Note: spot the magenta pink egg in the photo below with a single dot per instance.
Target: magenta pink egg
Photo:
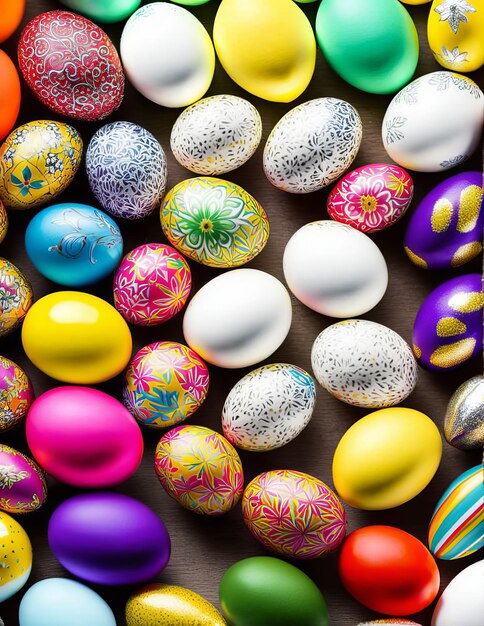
(371, 197)
(22, 482)
(152, 284)
(84, 437)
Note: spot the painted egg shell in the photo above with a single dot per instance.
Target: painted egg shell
(434, 123)
(216, 135)
(74, 605)
(12, 14)
(165, 383)
(71, 65)
(16, 394)
(334, 269)
(364, 364)
(38, 162)
(106, 12)
(454, 31)
(293, 514)
(169, 605)
(312, 145)
(371, 198)
(109, 539)
(76, 338)
(464, 418)
(269, 407)
(11, 95)
(445, 230)
(372, 470)
(448, 328)
(16, 297)
(214, 222)
(126, 170)
(457, 525)
(167, 54)
(268, 48)
(22, 482)
(16, 556)
(199, 469)
(462, 601)
(83, 437)
(152, 284)
(390, 621)
(3, 222)
(73, 244)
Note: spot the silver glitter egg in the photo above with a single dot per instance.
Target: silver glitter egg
(464, 419)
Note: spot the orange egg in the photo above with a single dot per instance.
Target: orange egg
(12, 12)
(9, 91)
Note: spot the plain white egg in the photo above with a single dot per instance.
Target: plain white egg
(462, 603)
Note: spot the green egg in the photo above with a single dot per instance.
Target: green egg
(106, 11)
(264, 591)
(371, 44)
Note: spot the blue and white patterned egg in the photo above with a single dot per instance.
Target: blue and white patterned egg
(126, 170)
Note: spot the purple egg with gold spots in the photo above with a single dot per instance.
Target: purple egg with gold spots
(445, 229)
(448, 327)
(16, 394)
(22, 482)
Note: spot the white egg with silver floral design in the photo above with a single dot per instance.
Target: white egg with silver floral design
(268, 407)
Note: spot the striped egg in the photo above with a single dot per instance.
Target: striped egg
(457, 525)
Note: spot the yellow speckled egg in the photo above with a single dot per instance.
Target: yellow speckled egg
(15, 556)
(455, 31)
(169, 605)
(386, 458)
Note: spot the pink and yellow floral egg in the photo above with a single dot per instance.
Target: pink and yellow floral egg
(372, 197)
(294, 514)
(16, 394)
(22, 482)
(15, 297)
(200, 469)
(152, 284)
(165, 383)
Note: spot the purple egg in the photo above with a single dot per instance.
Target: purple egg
(448, 327)
(445, 229)
(109, 539)
(22, 482)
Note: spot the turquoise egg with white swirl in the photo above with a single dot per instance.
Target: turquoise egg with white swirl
(74, 244)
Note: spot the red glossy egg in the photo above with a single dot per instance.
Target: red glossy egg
(388, 570)
(9, 94)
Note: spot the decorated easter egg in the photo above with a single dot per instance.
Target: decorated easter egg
(199, 469)
(10, 94)
(214, 222)
(126, 170)
(107, 11)
(167, 54)
(152, 284)
(445, 230)
(38, 162)
(55, 601)
(76, 338)
(109, 539)
(373, 467)
(165, 383)
(457, 525)
(263, 590)
(16, 394)
(268, 407)
(15, 297)
(22, 482)
(390, 621)
(216, 135)
(448, 328)
(371, 197)
(12, 12)
(73, 244)
(191, 3)
(71, 65)
(83, 437)
(434, 123)
(268, 48)
(293, 514)
(16, 556)
(464, 418)
(3, 222)
(170, 605)
(312, 145)
(462, 601)
(238, 318)
(335, 269)
(415, 1)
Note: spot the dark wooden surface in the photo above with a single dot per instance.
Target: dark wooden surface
(203, 548)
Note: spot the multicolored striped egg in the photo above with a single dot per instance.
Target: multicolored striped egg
(16, 394)
(22, 482)
(457, 525)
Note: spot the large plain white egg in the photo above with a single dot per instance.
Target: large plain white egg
(462, 603)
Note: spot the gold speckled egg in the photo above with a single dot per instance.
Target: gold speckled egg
(15, 556)
(15, 297)
(3, 222)
(169, 605)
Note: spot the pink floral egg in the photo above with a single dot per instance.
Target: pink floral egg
(152, 284)
(16, 394)
(371, 197)
(71, 65)
(22, 482)
(294, 514)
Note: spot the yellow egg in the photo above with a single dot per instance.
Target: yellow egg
(386, 458)
(15, 556)
(267, 47)
(3, 222)
(76, 338)
(169, 605)
(415, 1)
(455, 31)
